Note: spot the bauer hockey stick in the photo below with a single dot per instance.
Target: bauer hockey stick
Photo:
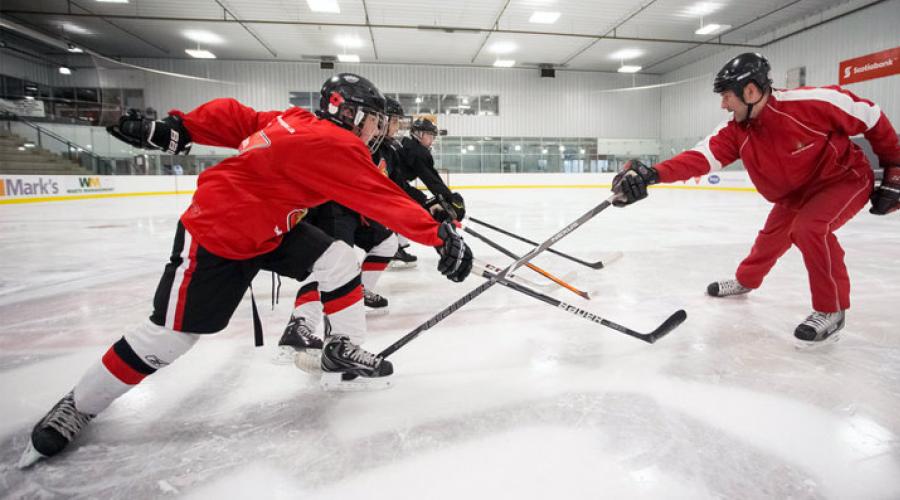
(558, 281)
(465, 299)
(600, 264)
(661, 331)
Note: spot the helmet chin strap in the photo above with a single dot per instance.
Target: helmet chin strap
(750, 105)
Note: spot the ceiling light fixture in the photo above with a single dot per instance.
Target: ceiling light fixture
(74, 49)
(74, 28)
(541, 17)
(504, 63)
(625, 54)
(328, 6)
(348, 58)
(201, 36)
(112, 1)
(64, 70)
(701, 9)
(629, 68)
(200, 53)
(711, 28)
(503, 47)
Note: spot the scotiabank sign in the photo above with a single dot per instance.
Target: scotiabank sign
(877, 65)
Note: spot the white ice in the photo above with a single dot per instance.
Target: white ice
(507, 398)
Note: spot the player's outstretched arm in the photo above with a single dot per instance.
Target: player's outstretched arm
(224, 122)
(168, 135)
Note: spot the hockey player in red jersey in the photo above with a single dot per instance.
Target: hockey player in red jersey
(245, 217)
(797, 150)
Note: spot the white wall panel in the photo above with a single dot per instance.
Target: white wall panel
(572, 104)
(690, 111)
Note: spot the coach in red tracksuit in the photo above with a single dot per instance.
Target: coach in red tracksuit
(796, 147)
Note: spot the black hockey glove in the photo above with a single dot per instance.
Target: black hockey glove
(886, 198)
(459, 205)
(631, 183)
(456, 257)
(168, 134)
(438, 210)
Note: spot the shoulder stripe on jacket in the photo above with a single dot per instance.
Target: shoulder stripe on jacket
(863, 111)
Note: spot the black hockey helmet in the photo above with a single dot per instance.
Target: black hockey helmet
(423, 125)
(346, 99)
(392, 107)
(740, 71)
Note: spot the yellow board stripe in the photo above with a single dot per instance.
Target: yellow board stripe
(11, 201)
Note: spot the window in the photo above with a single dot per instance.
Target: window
(303, 100)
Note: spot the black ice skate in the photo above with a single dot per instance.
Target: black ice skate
(343, 361)
(726, 288)
(55, 431)
(402, 259)
(376, 305)
(297, 338)
(819, 329)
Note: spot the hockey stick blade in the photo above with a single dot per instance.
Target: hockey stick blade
(664, 329)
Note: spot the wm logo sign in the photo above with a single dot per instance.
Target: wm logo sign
(89, 182)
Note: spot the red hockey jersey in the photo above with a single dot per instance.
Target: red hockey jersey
(798, 142)
(288, 162)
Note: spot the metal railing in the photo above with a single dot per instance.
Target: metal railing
(56, 144)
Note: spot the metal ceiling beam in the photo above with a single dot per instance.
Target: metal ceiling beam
(446, 29)
(104, 18)
(247, 28)
(732, 30)
(494, 27)
(371, 33)
(611, 30)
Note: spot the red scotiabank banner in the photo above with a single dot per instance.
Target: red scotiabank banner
(877, 65)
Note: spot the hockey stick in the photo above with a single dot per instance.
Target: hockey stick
(531, 266)
(593, 265)
(465, 299)
(514, 277)
(661, 331)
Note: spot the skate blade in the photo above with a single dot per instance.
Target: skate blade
(334, 382)
(809, 345)
(29, 457)
(370, 313)
(399, 264)
(309, 361)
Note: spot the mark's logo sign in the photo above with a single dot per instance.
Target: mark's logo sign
(12, 186)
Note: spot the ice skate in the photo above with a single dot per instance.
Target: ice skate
(375, 304)
(297, 338)
(55, 431)
(348, 367)
(403, 260)
(726, 288)
(819, 329)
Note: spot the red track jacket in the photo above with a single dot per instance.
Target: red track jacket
(798, 142)
(289, 161)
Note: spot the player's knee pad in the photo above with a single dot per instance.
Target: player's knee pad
(387, 248)
(336, 266)
(159, 346)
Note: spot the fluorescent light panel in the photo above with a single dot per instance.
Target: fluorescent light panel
(629, 68)
(112, 1)
(201, 36)
(348, 58)
(702, 8)
(709, 29)
(200, 53)
(329, 6)
(542, 17)
(502, 47)
(504, 63)
(74, 49)
(64, 70)
(625, 54)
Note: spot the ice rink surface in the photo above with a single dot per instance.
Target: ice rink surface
(507, 398)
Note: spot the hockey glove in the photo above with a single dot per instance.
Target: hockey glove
(459, 205)
(886, 198)
(456, 257)
(168, 134)
(631, 183)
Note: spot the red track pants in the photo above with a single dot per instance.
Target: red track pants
(811, 228)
